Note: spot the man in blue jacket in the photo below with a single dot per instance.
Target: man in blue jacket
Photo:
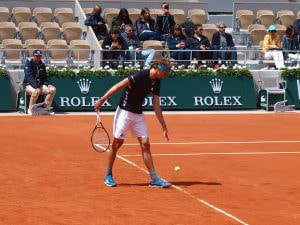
(35, 82)
(223, 41)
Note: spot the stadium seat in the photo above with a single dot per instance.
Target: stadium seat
(179, 15)
(281, 29)
(64, 15)
(265, 17)
(42, 14)
(134, 14)
(198, 16)
(87, 10)
(209, 30)
(12, 52)
(154, 13)
(286, 17)
(8, 30)
(50, 30)
(109, 14)
(71, 31)
(32, 44)
(257, 33)
(156, 45)
(4, 14)
(298, 14)
(58, 52)
(21, 14)
(80, 52)
(28, 30)
(244, 18)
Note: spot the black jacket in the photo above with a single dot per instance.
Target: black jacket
(140, 26)
(108, 41)
(164, 24)
(92, 20)
(195, 43)
(216, 39)
(35, 74)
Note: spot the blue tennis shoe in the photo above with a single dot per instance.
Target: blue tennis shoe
(109, 181)
(158, 182)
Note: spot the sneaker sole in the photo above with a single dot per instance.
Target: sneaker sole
(110, 185)
(155, 186)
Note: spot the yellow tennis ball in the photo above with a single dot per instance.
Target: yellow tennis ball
(177, 168)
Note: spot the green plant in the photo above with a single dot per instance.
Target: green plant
(236, 71)
(64, 72)
(291, 72)
(124, 72)
(3, 70)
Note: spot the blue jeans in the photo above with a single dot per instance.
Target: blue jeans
(144, 54)
(183, 56)
(149, 36)
(224, 54)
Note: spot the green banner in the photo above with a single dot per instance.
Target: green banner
(5, 94)
(177, 93)
(293, 91)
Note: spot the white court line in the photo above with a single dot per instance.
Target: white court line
(214, 153)
(217, 142)
(188, 193)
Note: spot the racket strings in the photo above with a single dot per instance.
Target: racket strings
(100, 139)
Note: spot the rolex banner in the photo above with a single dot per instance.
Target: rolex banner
(293, 91)
(177, 93)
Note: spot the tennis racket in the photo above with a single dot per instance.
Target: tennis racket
(100, 139)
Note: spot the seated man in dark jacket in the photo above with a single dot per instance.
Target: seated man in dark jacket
(115, 46)
(164, 22)
(35, 82)
(201, 44)
(223, 41)
(98, 24)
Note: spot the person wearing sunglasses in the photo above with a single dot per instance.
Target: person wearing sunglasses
(223, 42)
(272, 47)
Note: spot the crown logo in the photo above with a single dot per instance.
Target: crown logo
(84, 85)
(216, 85)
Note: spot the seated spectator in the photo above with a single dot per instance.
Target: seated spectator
(179, 46)
(119, 22)
(297, 26)
(36, 83)
(135, 52)
(145, 26)
(200, 43)
(116, 46)
(272, 47)
(290, 44)
(164, 22)
(223, 41)
(96, 21)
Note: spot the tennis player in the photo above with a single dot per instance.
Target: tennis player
(129, 116)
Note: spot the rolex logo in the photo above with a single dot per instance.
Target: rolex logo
(216, 85)
(84, 85)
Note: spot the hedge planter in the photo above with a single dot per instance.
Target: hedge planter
(79, 93)
(293, 91)
(5, 94)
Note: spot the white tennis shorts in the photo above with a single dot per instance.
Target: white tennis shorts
(125, 121)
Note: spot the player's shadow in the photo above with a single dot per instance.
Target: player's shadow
(177, 183)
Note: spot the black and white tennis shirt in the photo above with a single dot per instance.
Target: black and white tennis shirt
(140, 86)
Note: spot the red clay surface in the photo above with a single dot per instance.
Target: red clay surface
(51, 175)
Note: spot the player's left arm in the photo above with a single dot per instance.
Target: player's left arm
(159, 115)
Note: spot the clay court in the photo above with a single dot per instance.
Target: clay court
(235, 169)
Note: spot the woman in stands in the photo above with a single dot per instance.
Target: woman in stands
(120, 21)
(290, 44)
(179, 45)
(272, 47)
(145, 26)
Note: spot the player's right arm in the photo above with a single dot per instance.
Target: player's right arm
(122, 84)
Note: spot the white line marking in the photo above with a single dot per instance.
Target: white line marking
(217, 142)
(188, 193)
(215, 153)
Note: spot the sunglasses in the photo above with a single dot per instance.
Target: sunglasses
(223, 27)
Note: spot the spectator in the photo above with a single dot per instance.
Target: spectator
(116, 47)
(145, 26)
(98, 24)
(36, 83)
(223, 41)
(120, 21)
(290, 44)
(135, 51)
(272, 47)
(164, 22)
(297, 26)
(179, 46)
(200, 43)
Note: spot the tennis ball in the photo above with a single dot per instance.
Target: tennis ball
(177, 168)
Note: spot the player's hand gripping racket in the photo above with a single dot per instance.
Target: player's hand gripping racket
(100, 138)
